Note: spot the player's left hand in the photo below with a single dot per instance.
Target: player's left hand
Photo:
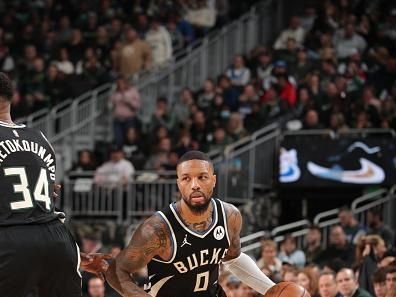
(95, 263)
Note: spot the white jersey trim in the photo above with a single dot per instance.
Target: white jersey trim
(173, 238)
(225, 222)
(214, 223)
(45, 138)
(78, 261)
(12, 125)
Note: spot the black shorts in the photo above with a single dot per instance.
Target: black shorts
(40, 258)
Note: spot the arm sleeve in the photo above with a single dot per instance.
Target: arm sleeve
(247, 271)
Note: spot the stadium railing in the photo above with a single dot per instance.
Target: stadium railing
(325, 220)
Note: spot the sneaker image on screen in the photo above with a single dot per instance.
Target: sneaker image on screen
(367, 173)
(289, 170)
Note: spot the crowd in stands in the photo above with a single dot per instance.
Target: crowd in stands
(54, 50)
(332, 68)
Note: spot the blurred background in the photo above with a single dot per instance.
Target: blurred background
(295, 102)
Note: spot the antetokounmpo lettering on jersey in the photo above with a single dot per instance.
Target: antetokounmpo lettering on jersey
(8, 147)
(204, 257)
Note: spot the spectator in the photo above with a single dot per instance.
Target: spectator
(339, 249)
(142, 25)
(379, 282)
(352, 228)
(255, 120)
(370, 250)
(134, 55)
(233, 284)
(64, 64)
(65, 31)
(55, 85)
(76, 47)
(133, 148)
(202, 17)
(304, 102)
(125, 104)
(290, 274)
(390, 280)
(96, 287)
(181, 108)
(34, 85)
(308, 19)
(160, 157)
(347, 284)
(85, 162)
(337, 123)
(116, 171)
(175, 35)
(311, 120)
(246, 99)
(160, 42)
(220, 140)
(102, 45)
(268, 261)
(162, 116)
(308, 279)
(235, 129)
(200, 129)
(7, 63)
(229, 92)
(302, 66)
(346, 41)
(327, 285)
(294, 31)
(238, 73)
(313, 244)
(263, 68)
(287, 91)
(289, 252)
(377, 226)
(206, 96)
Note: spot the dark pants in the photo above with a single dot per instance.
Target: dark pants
(120, 127)
(41, 258)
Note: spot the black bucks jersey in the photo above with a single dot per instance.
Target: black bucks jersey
(27, 176)
(194, 266)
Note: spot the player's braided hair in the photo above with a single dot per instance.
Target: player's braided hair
(6, 89)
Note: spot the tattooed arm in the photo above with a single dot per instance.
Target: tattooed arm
(234, 222)
(150, 239)
(240, 264)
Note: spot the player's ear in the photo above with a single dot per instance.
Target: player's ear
(214, 180)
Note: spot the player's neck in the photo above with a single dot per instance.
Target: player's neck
(188, 215)
(5, 115)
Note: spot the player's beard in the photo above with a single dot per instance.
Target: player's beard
(198, 209)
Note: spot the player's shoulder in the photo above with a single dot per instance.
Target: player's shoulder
(230, 209)
(151, 234)
(153, 224)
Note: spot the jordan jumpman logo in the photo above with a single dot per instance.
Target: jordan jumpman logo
(185, 241)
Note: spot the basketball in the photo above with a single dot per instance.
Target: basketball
(287, 289)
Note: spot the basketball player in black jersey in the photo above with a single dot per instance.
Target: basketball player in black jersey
(184, 244)
(37, 252)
